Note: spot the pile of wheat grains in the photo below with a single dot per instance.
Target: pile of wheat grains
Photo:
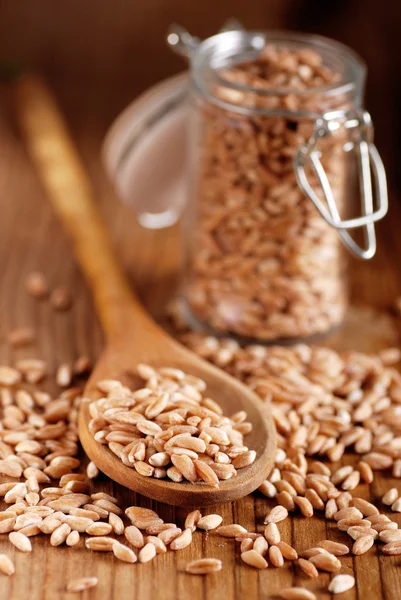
(324, 404)
(170, 428)
(265, 264)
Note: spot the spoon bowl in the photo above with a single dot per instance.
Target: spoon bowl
(132, 337)
(228, 392)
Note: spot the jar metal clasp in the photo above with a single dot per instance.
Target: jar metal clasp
(369, 165)
(185, 44)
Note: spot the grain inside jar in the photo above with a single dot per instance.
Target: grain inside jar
(264, 263)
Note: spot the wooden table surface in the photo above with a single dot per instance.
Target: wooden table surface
(30, 238)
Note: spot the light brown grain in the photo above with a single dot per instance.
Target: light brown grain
(204, 566)
(20, 541)
(308, 568)
(362, 544)
(254, 559)
(296, 593)
(326, 562)
(81, 584)
(6, 565)
(341, 583)
(335, 548)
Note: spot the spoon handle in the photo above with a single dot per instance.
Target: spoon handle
(69, 189)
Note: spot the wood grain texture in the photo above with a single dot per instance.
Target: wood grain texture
(31, 238)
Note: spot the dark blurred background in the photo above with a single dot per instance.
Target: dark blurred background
(117, 47)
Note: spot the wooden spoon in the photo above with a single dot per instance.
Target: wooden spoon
(132, 337)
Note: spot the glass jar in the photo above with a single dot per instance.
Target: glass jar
(279, 144)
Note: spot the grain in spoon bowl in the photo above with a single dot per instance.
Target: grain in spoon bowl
(170, 428)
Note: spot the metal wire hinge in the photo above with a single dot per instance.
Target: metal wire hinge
(370, 166)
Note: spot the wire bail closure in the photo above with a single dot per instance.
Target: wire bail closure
(369, 163)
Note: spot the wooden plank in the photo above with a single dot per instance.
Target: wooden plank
(30, 238)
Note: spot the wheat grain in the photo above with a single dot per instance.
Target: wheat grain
(134, 536)
(21, 336)
(341, 583)
(169, 535)
(9, 376)
(49, 524)
(367, 508)
(231, 531)
(356, 532)
(77, 523)
(287, 551)
(72, 538)
(36, 285)
(209, 522)
(100, 544)
(313, 552)
(116, 523)
(396, 506)
(362, 544)
(159, 527)
(192, 520)
(20, 541)
(331, 509)
(81, 584)
(326, 562)
(276, 515)
(254, 559)
(272, 534)
(124, 553)
(335, 548)
(275, 555)
(392, 548)
(99, 529)
(142, 517)
(286, 500)
(348, 513)
(308, 568)
(304, 505)
(147, 553)
(260, 545)
(60, 534)
(30, 530)
(60, 299)
(6, 565)
(390, 496)
(366, 471)
(379, 527)
(390, 535)
(345, 524)
(181, 541)
(246, 544)
(296, 593)
(204, 566)
(7, 524)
